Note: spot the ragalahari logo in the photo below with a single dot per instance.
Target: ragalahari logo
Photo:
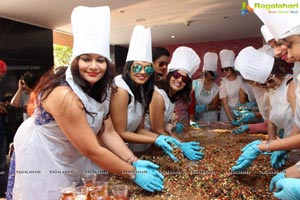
(246, 9)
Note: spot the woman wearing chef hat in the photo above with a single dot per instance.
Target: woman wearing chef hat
(206, 91)
(229, 87)
(71, 133)
(132, 98)
(178, 86)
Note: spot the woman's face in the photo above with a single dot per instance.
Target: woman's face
(92, 67)
(292, 45)
(140, 72)
(160, 64)
(273, 81)
(178, 80)
(227, 71)
(208, 77)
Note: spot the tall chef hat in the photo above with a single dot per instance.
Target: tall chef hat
(280, 24)
(140, 47)
(266, 33)
(91, 30)
(227, 58)
(184, 58)
(254, 65)
(210, 60)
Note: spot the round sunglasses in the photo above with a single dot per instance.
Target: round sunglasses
(137, 68)
(177, 75)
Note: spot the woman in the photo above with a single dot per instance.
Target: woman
(70, 133)
(206, 92)
(178, 86)
(230, 86)
(131, 100)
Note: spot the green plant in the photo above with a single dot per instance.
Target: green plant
(62, 55)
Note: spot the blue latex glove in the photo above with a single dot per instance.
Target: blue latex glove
(275, 179)
(239, 113)
(241, 129)
(179, 127)
(146, 180)
(250, 153)
(278, 159)
(234, 122)
(246, 117)
(200, 108)
(149, 165)
(191, 150)
(288, 189)
(246, 106)
(194, 124)
(162, 141)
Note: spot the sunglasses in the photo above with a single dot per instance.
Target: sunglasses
(184, 79)
(271, 79)
(161, 64)
(225, 69)
(137, 68)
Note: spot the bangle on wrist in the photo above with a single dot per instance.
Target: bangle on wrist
(267, 144)
(130, 159)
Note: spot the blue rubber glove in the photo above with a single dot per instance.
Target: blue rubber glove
(278, 159)
(194, 124)
(200, 108)
(288, 189)
(250, 153)
(246, 117)
(235, 122)
(191, 150)
(246, 106)
(275, 179)
(239, 113)
(149, 165)
(146, 180)
(179, 127)
(241, 129)
(162, 142)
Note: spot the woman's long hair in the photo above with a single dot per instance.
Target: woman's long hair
(54, 78)
(142, 93)
(183, 95)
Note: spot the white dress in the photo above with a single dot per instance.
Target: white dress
(230, 89)
(281, 111)
(203, 96)
(261, 97)
(168, 111)
(45, 158)
(135, 113)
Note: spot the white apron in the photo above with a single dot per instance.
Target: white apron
(168, 111)
(230, 89)
(297, 111)
(135, 113)
(261, 97)
(203, 96)
(45, 158)
(281, 110)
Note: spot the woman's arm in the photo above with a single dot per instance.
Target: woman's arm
(156, 113)
(227, 109)
(243, 98)
(119, 113)
(272, 130)
(214, 104)
(16, 100)
(71, 118)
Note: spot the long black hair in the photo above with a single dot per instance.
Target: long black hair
(183, 95)
(142, 93)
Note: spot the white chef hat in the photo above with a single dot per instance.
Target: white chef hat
(184, 58)
(254, 65)
(266, 33)
(267, 49)
(227, 58)
(210, 61)
(140, 47)
(278, 23)
(91, 30)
